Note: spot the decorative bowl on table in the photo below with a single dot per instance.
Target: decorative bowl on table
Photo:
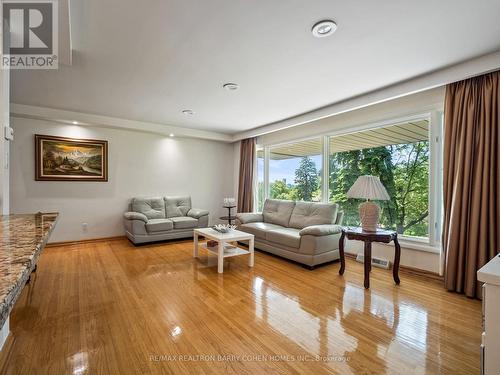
(224, 228)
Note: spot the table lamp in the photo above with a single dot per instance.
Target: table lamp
(369, 188)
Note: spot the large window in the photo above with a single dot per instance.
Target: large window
(399, 155)
(295, 171)
(405, 156)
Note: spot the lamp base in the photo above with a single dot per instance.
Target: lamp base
(369, 213)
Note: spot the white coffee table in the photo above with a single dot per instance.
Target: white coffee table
(224, 249)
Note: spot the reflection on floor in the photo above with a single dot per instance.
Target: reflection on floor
(111, 308)
(358, 309)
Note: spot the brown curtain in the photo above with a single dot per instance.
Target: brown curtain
(471, 176)
(245, 187)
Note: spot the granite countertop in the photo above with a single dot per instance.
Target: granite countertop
(22, 239)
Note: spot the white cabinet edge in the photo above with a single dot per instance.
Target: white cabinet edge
(490, 272)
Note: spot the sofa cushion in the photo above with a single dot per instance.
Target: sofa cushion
(197, 213)
(184, 222)
(153, 208)
(285, 236)
(306, 214)
(249, 217)
(159, 225)
(258, 229)
(277, 211)
(177, 206)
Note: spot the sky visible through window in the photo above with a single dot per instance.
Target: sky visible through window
(285, 169)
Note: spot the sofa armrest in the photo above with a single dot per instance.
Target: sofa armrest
(197, 213)
(321, 230)
(249, 217)
(135, 216)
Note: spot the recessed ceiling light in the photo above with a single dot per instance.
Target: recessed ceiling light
(230, 86)
(188, 112)
(74, 122)
(324, 28)
(171, 135)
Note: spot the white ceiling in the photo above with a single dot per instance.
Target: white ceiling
(149, 60)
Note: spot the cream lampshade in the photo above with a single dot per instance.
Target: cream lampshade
(369, 188)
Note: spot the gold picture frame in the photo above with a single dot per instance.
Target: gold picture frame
(70, 159)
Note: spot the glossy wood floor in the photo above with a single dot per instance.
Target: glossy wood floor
(111, 308)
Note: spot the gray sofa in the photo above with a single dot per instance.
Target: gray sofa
(304, 232)
(162, 218)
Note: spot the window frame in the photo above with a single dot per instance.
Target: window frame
(432, 243)
(256, 176)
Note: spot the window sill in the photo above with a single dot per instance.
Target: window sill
(416, 245)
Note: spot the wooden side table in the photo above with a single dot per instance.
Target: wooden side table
(230, 218)
(384, 236)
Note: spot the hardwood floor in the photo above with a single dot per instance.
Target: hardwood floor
(112, 308)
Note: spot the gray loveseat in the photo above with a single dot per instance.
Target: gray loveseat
(305, 232)
(162, 218)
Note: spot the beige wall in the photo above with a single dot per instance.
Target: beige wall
(140, 164)
(423, 260)
(4, 147)
(4, 144)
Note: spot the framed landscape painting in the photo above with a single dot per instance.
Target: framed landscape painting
(69, 159)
